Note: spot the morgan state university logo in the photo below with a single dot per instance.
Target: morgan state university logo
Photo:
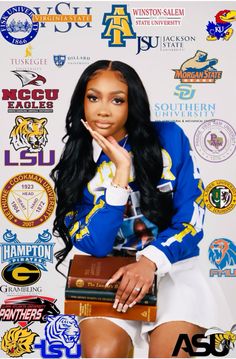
(198, 69)
(118, 26)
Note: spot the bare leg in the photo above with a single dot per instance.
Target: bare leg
(163, 338)
(101, 338)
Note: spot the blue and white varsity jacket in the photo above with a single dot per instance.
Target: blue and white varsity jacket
(101, 214)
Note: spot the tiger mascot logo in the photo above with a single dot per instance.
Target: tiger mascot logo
(222, 253)
(17, 341)
(29, 133)
(62, 329)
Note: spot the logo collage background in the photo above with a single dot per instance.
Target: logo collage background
(38, 77)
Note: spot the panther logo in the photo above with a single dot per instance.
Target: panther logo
(29, 133)
(62, 329)
(222, 253)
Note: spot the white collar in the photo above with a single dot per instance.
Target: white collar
(96, 150)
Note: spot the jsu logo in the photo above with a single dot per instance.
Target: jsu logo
(184, 91)
(147, 42)
(118, 26)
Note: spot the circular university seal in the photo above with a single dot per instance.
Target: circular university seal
(215, 140)
(27, 200)
(220, 196)
(17, 26)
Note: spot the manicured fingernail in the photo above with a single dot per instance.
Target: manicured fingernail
(108, 283)
(120, 306)
(125, 307)
(115, 303)
(132, 304)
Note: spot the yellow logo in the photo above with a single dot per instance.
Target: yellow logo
(118, 26)
(220, 197)
(17, 341)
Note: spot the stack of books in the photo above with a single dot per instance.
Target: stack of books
(86, 294)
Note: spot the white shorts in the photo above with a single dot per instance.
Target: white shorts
(184, 294)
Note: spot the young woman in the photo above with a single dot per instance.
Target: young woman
(113, 148)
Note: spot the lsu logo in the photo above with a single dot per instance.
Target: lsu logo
(29, 133)
(222, 253)
(118, 26)
(17, 341)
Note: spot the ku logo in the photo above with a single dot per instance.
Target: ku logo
(118, 26)
(222, 253)
(184, 91)
(147, 42)
(221, 29)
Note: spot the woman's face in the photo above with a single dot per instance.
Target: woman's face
(106, 104)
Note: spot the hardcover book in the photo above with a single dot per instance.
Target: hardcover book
(85, 308)
(103, 295)
(92, 272)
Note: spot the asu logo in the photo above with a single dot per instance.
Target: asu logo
(17, 341)
(118, 26)
(223, 339)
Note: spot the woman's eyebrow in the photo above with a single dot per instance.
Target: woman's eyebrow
(112, 92)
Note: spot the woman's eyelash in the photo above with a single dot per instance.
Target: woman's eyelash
(92, 97)
(119, 99)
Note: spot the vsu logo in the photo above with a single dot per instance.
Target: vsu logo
(64, 8)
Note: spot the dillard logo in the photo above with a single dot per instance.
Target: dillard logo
(63, 8)
(40, 252)
(118, 26)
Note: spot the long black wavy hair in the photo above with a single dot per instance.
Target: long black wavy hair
(77, 167)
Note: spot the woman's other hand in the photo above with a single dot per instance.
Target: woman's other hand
(136, 280)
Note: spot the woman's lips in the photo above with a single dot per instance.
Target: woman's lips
(102, 125)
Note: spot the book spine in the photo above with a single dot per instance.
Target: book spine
(91, 283)
(85, 308)
(102, 296)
